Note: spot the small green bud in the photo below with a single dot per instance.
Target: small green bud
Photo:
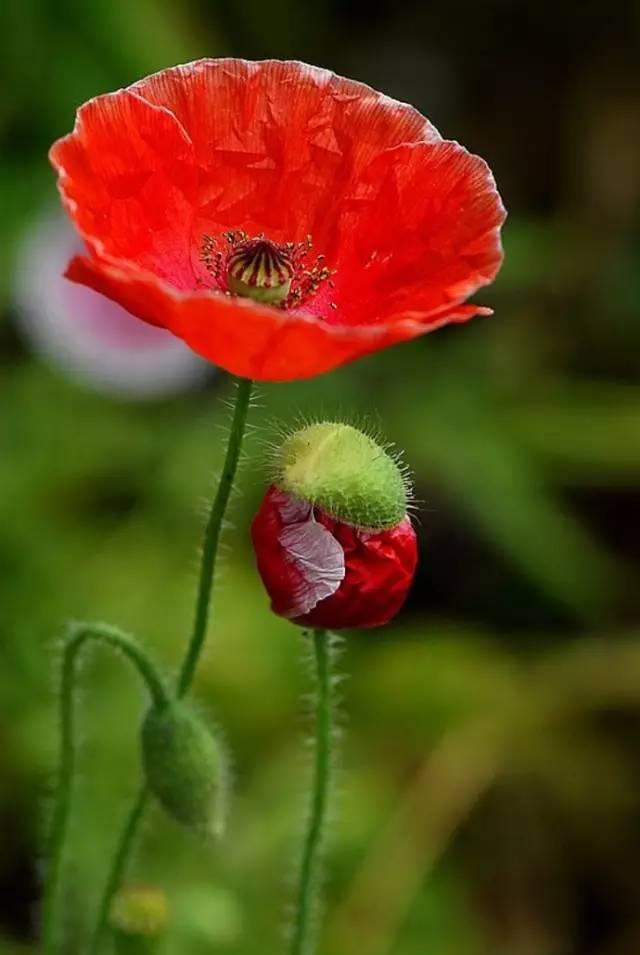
(185, 767)
(345, 472)
(139, 917)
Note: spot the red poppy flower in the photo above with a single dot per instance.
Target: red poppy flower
(279, 219)
(321, 572)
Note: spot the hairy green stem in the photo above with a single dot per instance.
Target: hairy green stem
(79, 635)
(302, 941)
(212, 536)
(203, 606)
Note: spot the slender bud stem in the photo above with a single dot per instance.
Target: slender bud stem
(119, 865)
(194, 649)
(79, 635)
(302, 941)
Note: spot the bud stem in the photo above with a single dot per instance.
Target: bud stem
(79, 635)
(308, 886)
(194, 648)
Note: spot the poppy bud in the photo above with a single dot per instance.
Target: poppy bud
(334, 545)
(139, 917)
(185, 767)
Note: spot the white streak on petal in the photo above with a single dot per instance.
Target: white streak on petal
(292, 509)
(319, 559)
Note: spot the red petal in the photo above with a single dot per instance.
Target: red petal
(411, 223)
(127, 180)
(248, 339)
(229, 143)
(379, 571)
(379, 568)
(277, 141)
(426, 233)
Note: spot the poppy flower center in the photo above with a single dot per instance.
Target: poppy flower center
(260, 270)
(273, 273)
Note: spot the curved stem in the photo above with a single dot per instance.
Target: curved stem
(194, 648)
(307, 897)
(78, 636)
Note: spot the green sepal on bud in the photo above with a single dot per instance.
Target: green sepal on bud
(185, 767)
(345, 472)
(139, 918)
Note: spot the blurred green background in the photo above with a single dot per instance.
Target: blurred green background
(489, 796)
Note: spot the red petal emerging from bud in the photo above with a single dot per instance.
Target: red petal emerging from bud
(323, 573)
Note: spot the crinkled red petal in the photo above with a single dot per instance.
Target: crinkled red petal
(222, 144)
(426, 238)
(248, 339)
(379, 569)
(409, 222)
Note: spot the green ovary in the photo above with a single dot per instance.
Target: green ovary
(275, 295)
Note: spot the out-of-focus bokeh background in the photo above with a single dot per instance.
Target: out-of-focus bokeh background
(490, 789)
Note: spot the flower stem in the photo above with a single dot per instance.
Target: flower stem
(79, 635)
(302, 942)
(203, 606)
(212, 536)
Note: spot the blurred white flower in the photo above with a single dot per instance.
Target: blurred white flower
(86, 335)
